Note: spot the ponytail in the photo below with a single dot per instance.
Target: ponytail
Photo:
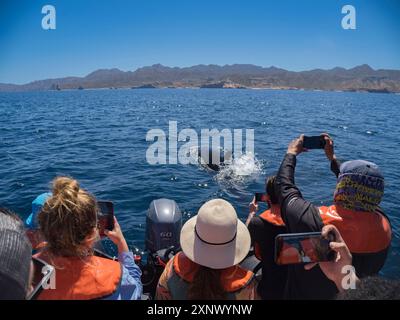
(68, 217)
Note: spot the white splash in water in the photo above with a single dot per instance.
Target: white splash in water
(242, 170)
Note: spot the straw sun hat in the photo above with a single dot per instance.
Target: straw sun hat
(215, 238)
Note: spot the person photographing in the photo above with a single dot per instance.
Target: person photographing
(263, 229)
(355, 212)
(68, 221)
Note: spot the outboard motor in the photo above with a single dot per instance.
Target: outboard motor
(163, 225)
(163, 229)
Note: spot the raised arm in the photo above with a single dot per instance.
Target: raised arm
(330, 154)
(298, 214)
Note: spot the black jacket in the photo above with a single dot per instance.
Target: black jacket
(300, 215)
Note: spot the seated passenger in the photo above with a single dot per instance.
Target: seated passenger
(68, 221)
(263, 230)
(213, 243)
(355, 212)
(15, 258)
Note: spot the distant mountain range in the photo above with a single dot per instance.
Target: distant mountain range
(360, 78)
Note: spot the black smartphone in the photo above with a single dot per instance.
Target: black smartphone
(294, 248)
(314, 142)
(261, 197)
(105, 216)
(41, 276)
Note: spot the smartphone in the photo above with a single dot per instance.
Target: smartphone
(105, 216)
(314, 142)
(294, 248)
(42, 273)
(261, 197)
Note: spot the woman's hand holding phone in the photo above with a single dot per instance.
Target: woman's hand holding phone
(117, 237)
(333, 269)
(329, 149)
(253, 207)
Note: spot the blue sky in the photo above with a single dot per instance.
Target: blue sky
(291, 34)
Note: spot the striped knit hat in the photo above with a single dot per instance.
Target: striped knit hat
(360, 186)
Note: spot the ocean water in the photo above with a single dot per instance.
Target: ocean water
(99, 137)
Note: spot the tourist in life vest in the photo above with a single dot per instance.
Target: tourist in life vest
(68, 221)
(263, 229)
(213, 243)
(355, 213)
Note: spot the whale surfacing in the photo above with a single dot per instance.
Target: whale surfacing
(214, 159)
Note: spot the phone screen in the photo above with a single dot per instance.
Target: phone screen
(314, 142)
(309, 247)
(41, 275)
(261, 197)
(105, 216)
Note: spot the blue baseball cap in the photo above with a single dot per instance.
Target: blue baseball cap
(37, 204)
(361, 167)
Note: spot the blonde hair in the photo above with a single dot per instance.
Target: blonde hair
(67, 218)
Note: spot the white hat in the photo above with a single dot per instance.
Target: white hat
(215, 238)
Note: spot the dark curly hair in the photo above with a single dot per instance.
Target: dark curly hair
(270, 189)
(373, 288)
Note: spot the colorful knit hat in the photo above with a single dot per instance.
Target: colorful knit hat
(360, 186)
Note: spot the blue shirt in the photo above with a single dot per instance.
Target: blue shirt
(131, 287)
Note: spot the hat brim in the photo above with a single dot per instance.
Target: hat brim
(215, 256)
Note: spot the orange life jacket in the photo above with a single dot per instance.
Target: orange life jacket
(273, 215)
(77, 279)
(232, 279)
(363, 232)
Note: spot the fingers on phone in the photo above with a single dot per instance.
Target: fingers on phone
(337, 246)
(116, 224)
(331, 229)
